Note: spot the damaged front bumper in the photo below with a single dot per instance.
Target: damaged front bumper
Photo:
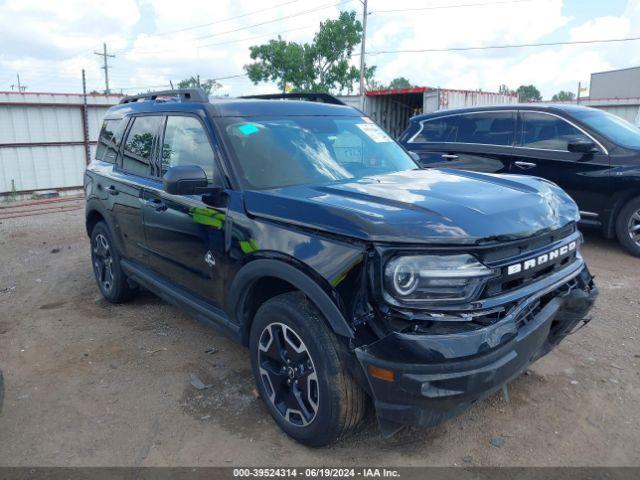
(437, 376)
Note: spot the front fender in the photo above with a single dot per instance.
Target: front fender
(278, 268)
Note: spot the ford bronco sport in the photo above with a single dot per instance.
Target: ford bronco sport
(303, 231)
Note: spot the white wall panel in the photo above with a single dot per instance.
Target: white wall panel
(33, 118)
(38, 168)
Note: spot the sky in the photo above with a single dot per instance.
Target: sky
(154, 42)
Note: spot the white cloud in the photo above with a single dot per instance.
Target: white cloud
(50, 42)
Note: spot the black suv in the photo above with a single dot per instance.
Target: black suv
(593, 155)
(303, 231)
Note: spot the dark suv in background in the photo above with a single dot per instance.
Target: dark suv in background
(593, 155)
(304, 232)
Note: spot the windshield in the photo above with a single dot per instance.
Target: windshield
(614, 128)
(286, 151)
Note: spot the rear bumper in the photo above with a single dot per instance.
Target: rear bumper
(438, 376)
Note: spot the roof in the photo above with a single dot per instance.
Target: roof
(396, 91)
(402, 91)
(550, 107)
(616, 70)
(237, 107)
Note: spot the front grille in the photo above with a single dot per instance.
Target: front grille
(516, 248)
(537, 248)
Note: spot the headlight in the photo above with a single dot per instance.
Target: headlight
(434, 278)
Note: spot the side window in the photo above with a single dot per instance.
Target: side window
(437, 130)
(489, 128)
(186, 143)
(548, 132)
(109, 140)
(139, 145)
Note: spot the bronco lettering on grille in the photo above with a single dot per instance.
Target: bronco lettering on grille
(542, 259)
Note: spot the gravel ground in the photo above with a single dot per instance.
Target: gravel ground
(93, 384)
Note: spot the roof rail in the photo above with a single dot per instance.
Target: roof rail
(310, 97)
(184, 94)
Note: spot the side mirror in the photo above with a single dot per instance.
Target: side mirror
(186, 180)
(582, 146)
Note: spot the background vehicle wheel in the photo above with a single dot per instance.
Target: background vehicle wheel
(106, 266)
(628, 227)
(299, 373)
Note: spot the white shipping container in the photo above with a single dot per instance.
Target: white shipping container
(392, 109)
(42, 139)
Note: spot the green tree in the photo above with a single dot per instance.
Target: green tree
(563, 96)
(528, 93)
(320, 66)
(505, 90)
(400, 82)
(208, 86)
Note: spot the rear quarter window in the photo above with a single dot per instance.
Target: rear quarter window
(436, 130)
(110, 139)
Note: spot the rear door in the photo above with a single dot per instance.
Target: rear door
(126, 184)
(542, 150)
(185, 235)
(477, 141)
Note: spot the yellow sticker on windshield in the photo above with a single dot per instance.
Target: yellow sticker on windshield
(374, 132)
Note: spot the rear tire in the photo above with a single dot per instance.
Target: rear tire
(628, 227)
(112, 281)
(299, 373)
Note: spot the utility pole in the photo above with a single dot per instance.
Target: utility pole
(105, 56)
(362, 51)
(85, 120)
(579, 90)
(21, 88)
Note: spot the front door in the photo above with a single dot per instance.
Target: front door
(542, 151)
(185, 235)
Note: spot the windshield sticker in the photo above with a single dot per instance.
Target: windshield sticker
(374, 132)
(248, 129)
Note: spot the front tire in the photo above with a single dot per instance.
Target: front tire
(299, 373)
(628, 227)
(112, 281)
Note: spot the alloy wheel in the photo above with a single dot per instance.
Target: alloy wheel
(634, 227)
(103, 262)
(288, 374)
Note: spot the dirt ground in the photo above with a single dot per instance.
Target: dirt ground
(93, 384)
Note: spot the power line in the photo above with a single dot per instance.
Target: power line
(297, 14)
(462, 5)
(490, 47)
(229, 42)
(225, 20)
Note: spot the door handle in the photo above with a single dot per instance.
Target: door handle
(524, 165)
(113, 190)
(449, 156)
(157, 204)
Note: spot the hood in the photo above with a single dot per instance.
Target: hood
(422, 206)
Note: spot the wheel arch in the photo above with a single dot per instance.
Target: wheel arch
(262, 278)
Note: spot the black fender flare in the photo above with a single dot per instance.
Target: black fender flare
(260, 268)
(93, 204)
